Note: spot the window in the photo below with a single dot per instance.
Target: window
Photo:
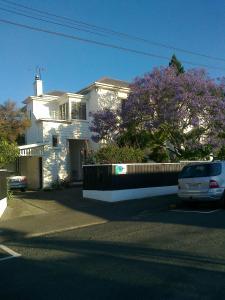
(78, 111)
(29, 114)
(55, 141)
(202, 170)
(63, 110)
(122, 102)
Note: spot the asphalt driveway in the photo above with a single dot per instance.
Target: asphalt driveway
(160, 254)
(42, 212)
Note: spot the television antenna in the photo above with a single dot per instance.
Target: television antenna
(39, 71)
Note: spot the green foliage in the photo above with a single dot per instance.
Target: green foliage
(134, 138)
(169, 144)
(221, 153)
(13, 121)
(176, 64)
(113, 154)
(59, 184)
(10, 196)
(157, 149)
(8, 153)
(170, 114)
(90, 158)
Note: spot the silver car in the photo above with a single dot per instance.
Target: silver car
(202, 182)
(17, 183)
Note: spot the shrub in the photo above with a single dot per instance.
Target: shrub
(113, 154)
(8, 153)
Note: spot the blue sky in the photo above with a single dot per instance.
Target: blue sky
(195, 25)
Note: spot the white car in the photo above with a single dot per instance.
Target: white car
(202, 182)
(17, 183)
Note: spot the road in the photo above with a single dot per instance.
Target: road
(154, 255)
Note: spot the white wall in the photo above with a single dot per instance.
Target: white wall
(3, 206)
(110, 99)
(34, 132)
(77, 129)
(55, 164)
(129, 194)
(41, 109)
(56, 161)
(100, 98)
(92, 101)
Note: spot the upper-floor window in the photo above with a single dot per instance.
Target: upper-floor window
(78, 111)
(55, 141)
(122, 103)
(64, 111)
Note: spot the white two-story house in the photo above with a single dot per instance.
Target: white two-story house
(59, 133)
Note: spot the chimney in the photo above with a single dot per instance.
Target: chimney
(38, 86)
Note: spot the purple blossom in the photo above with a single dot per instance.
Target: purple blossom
(188, 102)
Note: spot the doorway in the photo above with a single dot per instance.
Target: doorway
(77, 149)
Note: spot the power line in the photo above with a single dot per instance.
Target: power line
(73, 37)
(52, 22)
(116, 33)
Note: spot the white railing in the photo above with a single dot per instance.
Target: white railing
(36, 151)
(54, 114)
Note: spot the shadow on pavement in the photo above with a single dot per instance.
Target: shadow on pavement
(139, 210)
(66, 269)
(8, 234)
(72, 198)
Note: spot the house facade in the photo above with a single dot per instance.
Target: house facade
(59, 135)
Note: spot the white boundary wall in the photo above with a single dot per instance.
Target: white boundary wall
(3, 205)
(129, 194)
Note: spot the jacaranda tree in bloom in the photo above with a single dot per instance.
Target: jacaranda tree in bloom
(174, 116)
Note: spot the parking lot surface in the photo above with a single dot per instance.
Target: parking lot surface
(168, 254)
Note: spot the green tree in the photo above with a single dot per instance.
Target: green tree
(8, 153)
(13, 121)
(114, 154)
(176, 64)
(173, 116)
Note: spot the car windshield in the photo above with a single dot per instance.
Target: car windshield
(201, 170)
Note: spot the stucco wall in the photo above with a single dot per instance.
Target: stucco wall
(55, 164)
(56, 161)
(109, 99)
(35, 132)
(100, 98)
(68, 130)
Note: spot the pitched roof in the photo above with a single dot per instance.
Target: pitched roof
(116, 82)
(56, 93)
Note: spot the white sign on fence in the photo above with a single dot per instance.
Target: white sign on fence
(121, 169)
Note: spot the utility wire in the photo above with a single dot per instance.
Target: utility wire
(116, 33)
(73, 37)
(47, 21)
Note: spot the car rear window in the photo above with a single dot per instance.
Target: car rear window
(201, 170)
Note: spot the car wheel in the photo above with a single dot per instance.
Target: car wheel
(23, 190)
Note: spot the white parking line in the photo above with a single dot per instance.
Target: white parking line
(13, 254)
(196, 211)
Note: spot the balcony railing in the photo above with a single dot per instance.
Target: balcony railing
(54, 114)
(32, 149)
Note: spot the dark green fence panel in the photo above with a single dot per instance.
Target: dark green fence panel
(104, 177)
(3, 183)
(97, 177)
